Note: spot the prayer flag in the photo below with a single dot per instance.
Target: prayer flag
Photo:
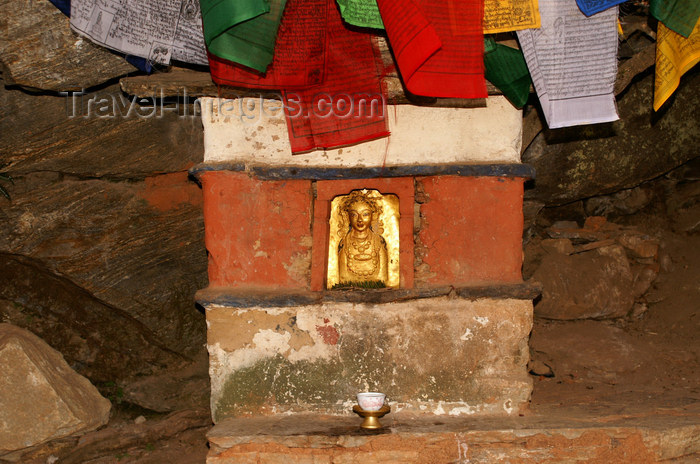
(63, 5)
(510, 15)
(158, 30)
(329, 76)
(591, 7)
(140, 63)
(362, 13)
(438, 45)
(573, 63)
(499, 15)
(242, 31)
(507, 70)
(674, 56)
(678, 15)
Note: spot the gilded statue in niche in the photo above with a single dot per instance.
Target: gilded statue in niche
(364, 240)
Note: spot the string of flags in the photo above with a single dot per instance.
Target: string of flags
(323, 52)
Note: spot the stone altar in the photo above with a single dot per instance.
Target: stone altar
(449, 339)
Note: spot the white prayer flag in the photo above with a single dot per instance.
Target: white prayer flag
(159, 30)
(573, 63)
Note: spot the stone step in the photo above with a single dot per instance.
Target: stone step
(554, 434)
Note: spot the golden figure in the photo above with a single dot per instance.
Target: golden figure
(362, 253)
(363, 241)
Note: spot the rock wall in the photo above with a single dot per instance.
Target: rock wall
(104, 232)
(580, 162)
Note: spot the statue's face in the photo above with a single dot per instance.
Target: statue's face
(360, 216)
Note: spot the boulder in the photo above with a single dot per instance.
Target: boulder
(98, 340)
(41, 397)
(595, 284)
(71, 136)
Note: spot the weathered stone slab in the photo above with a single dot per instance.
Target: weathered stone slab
(238, 298)
(434, 356)
(550, 436)
(113, 139)
(38, 50)
(110, 238)
(41, 397)
(100, 341)
(323, 173)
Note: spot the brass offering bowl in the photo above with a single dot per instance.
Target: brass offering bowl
(371, 421)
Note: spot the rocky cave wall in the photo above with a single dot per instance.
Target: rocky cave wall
(102, 246)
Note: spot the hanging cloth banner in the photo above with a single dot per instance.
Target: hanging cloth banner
(299, 61)
(573, 63)
(499, 15)
(141, 63)
(173, 29)
(242, 31)
(349, 107)
(591, 7)
(361, 13)
(63, 5)
(438, 45)
(330, 77)
(510, 15)
(678, 15)
(674, 56)
(506, 69)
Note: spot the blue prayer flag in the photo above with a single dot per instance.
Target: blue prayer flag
(591, 7)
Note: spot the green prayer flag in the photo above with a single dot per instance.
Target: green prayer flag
(242, 31)
(362, 13)
(678, 15)
(507, 70)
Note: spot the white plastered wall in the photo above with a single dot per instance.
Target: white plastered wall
(254, 131)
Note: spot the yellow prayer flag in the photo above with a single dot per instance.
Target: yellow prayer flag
(674, 56)
(510, 15)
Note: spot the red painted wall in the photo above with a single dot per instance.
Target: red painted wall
(257, 232)
(472, 230)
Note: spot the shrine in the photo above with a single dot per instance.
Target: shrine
(434, 314)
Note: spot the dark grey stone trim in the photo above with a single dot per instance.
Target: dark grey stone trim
(519, 170)
(236, 298)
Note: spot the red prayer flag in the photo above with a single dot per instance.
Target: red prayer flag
(329, 76)
(438, 45)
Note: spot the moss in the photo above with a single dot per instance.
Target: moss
(322, 383)
(278, 381)
(421, 365)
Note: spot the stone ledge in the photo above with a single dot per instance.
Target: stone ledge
(518, 170)
(553, 434)
(248, 298)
